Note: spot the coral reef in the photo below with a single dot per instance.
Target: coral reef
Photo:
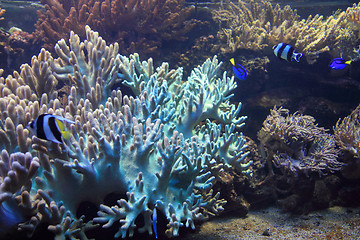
(353, 15)
(346, 133)
(137, 25)
(15, 46)
(255, 26)
(297, 145)
(158, 148)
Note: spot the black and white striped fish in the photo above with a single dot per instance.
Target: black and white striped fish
(50, 127)
(286, 52)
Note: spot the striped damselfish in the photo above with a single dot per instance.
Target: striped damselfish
(239, 71)
(286, 52)
(50, 127)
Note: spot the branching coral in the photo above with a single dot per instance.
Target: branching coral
(150, 147)
(297, 145)
(316, 35)
(353, 15)
(140, 25)
(252, 25)
(255, 26)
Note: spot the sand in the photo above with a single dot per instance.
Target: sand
(272, 223)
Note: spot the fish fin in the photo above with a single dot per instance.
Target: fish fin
(64, 119)
(65, 133)
(60, 124)
(232, 61)
(348, 62)
(54, 140)
(297, 56)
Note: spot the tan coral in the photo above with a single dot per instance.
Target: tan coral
(346, 133)
(252, 25)
(353, 14)
(255, 26)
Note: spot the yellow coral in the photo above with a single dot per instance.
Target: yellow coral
(252, 25)
(353, 14)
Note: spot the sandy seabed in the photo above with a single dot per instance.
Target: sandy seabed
(333, 223)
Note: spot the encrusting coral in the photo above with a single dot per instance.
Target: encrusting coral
(137, 25)
(150, 147)
(257, 25)
(297, 145)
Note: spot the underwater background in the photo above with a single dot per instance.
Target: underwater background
(183, 119)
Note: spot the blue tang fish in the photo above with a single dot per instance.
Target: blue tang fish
(239, 71)
(286, 52)
(339, 63)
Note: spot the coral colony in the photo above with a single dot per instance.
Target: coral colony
(162, 148)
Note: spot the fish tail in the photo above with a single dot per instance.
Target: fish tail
(232, 61)
(348, 62)
(297, 56)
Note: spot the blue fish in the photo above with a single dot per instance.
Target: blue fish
(154, 220)
(239, 71)
(286, 52)
(339, 63)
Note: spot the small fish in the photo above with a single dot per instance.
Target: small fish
(50, 127)
(154, 220)
(239, 71)
(339, 63)
(286, 52)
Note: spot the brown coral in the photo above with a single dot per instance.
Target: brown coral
(141, 25)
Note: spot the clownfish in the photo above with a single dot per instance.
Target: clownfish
(286, 52)
(239, 71)
(50, 127)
